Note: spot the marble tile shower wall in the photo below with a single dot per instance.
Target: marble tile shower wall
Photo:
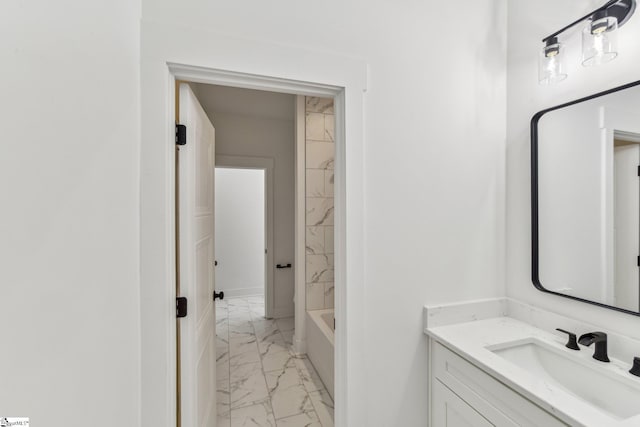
(320, 154)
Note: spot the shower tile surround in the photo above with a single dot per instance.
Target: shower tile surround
(320, 155)
(260, 381)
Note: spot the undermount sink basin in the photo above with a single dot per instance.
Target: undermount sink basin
(581, 377)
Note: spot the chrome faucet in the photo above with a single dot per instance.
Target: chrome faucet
(600, 339)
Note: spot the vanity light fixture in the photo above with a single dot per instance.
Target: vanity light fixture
(599, 40)
(550, 68)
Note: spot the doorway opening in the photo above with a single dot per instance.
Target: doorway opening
(240, 232)
(274, 254)
(285, 70)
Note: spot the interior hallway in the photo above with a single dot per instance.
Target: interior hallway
(260, 380)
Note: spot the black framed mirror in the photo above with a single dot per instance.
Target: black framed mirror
(585, 199)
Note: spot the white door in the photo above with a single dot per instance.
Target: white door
(626, 225)
(196, 258)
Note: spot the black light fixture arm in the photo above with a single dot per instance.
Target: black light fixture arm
(621, 9)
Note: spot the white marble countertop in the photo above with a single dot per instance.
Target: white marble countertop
(471, 339)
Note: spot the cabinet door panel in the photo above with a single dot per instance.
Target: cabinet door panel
(451, 411)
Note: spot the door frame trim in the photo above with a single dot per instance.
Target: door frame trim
(169, 52)
(300, 224)
(266, 164)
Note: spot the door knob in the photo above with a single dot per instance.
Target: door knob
(218, 295)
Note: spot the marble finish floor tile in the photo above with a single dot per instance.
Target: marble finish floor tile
(270, 334)
(307, 419)
(278, 381)
(292, 401)
(260, 381)
(253, 416)
(223, 404)
(286, 323)
(288, 395)
(243, 350)
(222, 370)
(276, 360)
(310, 378)
(224, 420)
(248, 386)
(251, 392)
(241, 329)
(323, 404)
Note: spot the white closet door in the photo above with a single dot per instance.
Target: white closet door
(627, 226)
(196, 221)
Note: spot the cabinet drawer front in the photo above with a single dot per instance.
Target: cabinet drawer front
(495, 401)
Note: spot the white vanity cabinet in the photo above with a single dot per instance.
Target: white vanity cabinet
(449, 410)
(463, 395)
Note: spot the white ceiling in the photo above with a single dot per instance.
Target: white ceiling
(246, 102)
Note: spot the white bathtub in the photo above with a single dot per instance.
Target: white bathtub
(320, 344)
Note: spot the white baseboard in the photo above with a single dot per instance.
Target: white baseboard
(299, 344)
(280, 313)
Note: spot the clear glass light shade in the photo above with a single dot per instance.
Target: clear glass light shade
(550, 66)
(600, 41)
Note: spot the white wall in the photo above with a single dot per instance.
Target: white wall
(261, 124)
(434, 159)
(240, 231)
(529, 22)
(69, 183)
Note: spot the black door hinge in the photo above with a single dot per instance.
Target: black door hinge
(181, 135)
(639, 261)
(638, 170)
(181, 307)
